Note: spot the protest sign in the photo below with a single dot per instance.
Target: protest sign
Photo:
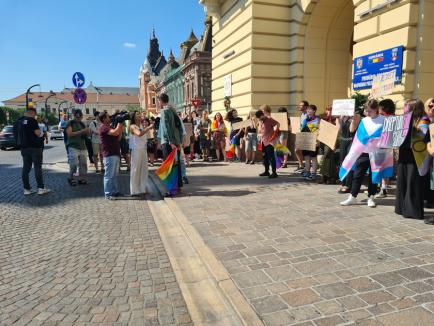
(431, 132)
(295, 124)
(383, 84)
(305, 141)
(282, 119)
(328, 134)
(343, 107)
(395, 130)
(241, 124)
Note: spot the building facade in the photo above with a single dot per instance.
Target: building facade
(282, 51)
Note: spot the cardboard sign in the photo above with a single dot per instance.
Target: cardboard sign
(305, 141)
(295, 124)
(383, 84)
(328, 134)
(431, 132)
(395, 130)
(241, 124)
(343, 107)
(282, 119)
(188, 129)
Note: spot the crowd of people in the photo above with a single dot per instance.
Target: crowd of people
(142, 141)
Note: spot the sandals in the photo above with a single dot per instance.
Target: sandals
(72, 182)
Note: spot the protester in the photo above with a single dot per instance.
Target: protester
(151, 146)
(62, 126)
(170, 133)
(251, 139)
(204, 129)
(347, 127)
(110, 149)
(77, 133)
(302, 108)
(413, 164)
(29, 138)
(328, 166)
(195, 150)
(139, 155)
(269, 134)
(387, 109)
(218, 129)
(43, 129)
(96, 141)
(310, 124)
(125, 149)
(236, 135)
(188, 146)
(429, 181)
(283, 138)
(365, 155)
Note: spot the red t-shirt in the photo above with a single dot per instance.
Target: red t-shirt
(109, 144)
(268, 125)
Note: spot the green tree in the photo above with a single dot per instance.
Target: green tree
(360, 99)
(133, 107)
(52, 119)
(13, 115)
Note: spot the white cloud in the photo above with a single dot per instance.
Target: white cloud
(129, 45)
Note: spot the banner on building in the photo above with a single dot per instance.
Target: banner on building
(282, 119)
(383, 84)
(344, 107)
(305, 141)
(368, 66)
(227, 85)
(395, 130)
(295, 124)
(328, 134)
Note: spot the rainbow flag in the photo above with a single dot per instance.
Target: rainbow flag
(231, 152)
(169, 174)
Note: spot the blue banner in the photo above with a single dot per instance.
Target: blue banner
(366, 67)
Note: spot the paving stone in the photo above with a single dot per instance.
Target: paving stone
(376, 297)
(334, 290)
(268, 304)
(279, 318)
(318, 266)
(330, 307)
(283, 273)
(415, 273)
(419, 287)
(329, 321)
(253, 278)
(300, 297)
(363, 284)
(408, 317)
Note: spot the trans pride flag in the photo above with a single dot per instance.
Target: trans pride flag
(366, 141)
(169, 174)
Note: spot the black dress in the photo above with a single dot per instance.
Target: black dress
(344, 148)
(410, 185)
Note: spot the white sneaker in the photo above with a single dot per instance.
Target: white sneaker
(43, 191)
(371, 202)
(29, 192)
(350, 201)
(381, 194)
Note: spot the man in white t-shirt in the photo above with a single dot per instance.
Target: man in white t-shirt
(96, 141)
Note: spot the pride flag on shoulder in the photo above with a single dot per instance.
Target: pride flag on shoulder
(169, 174)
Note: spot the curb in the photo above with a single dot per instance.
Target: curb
(240, 311)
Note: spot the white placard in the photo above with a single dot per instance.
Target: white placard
(344, 107)
(383, 84)
(227, 82)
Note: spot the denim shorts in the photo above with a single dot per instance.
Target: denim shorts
(251, 142)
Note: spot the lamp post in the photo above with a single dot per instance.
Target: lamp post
(46, 107)
(27, 95)
(58, 108)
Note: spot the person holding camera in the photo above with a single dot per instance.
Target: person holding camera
(139, 156)
(77, 132)
(110, 149)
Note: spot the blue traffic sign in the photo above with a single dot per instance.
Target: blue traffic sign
(80, 96)
(78, 79)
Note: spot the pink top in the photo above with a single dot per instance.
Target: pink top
(267, 125)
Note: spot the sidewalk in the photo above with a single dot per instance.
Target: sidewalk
(301, 259)
(74, 258)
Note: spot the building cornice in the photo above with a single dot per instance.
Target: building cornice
(212, 7)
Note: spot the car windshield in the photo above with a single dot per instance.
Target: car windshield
(54, 128)
(7, 129)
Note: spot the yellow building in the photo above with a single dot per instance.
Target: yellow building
(282, 51)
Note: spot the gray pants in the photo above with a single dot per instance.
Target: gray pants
(32, 156)
(77, 158)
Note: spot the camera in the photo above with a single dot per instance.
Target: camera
(119, 117)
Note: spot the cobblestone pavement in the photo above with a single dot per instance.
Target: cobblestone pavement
(301, 259)
(73, 258)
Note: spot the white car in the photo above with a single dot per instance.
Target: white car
(55, 133)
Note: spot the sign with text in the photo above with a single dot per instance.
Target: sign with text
(295, 124)
(344, 107)
(305, 141)
(227, 85)
(282, 119)
(383, 84)
(395, 130)
(368, 66)
(328, 134)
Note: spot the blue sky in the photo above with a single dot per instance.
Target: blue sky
(46, 41)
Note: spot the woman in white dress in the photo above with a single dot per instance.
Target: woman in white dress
(139, 155)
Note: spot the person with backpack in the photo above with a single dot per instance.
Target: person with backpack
(76, 147)
(29, 138)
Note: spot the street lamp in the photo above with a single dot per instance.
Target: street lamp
(27, 95)
(46, 106)
(58, 108)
